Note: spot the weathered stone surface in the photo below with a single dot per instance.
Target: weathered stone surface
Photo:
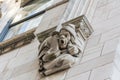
(111, 45)
(9, 56)
(26, 76)
(97, 74)
(83, 76)
(57, 76)
(50, 19)
(3, 66)
(94, 63)
(22, 59)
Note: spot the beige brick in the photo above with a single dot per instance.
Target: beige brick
(57, 76)
(116, 74)
(91, 10)
(25, 68)
(28, 48)
(93, 55)
(3, 66)
(51, 19)
(108, 26)
(102, 3)
(6, 74)
(93, 49)
(107, 79)
(110, 46)
(83, 76)
(22, 59)
(91, 64)
(102, 72)
(114, 12)
(93, 41)
(8, 56)
(26, 76)
(117, 61)
(100, 14)
(114, 33)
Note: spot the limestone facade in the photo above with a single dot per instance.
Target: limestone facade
(100, 58)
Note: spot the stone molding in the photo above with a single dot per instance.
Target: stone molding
(17, 41)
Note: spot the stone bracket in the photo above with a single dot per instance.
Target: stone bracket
(59, 49)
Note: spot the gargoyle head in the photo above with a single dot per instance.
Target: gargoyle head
(65, 35)
(64, 39)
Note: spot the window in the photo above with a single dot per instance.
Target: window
(27, 11)
(31, 8)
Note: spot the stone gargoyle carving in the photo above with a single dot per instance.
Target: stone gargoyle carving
(60, 50)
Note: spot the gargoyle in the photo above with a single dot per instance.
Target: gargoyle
(58, 52)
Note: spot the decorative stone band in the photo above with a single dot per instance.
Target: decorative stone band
(17, 41)
(82, 26)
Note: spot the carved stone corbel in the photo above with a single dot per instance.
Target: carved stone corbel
(59, 50)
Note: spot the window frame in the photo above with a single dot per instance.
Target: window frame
(10, 24)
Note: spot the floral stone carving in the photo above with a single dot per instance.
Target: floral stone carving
(60, 50)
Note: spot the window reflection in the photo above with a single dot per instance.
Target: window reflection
(32, 8)
(23, 27)
(28, 10)
(30, 24)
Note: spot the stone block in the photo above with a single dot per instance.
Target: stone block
(33, 46)
(91, 64)
(117, 61)
(6, 75)
(26, 76)
(102, 3)
(51, 19)
(25, 68)
(114, 12)
(108, 27)
(93, 49)
(100, 15)
(93, 55)
(57, 76)
(102, 72)
(9, 56)
(93, 40)
(83, 76)
(116, 74)
(110, 46)
(114, 33)
(22, 59)
(3, 66)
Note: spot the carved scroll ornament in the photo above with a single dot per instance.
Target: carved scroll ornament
(60, 50)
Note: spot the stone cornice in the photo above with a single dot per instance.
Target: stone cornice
(17, 41)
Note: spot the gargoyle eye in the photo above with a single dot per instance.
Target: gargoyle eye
(66, 35)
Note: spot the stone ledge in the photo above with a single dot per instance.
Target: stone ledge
(17, 41)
